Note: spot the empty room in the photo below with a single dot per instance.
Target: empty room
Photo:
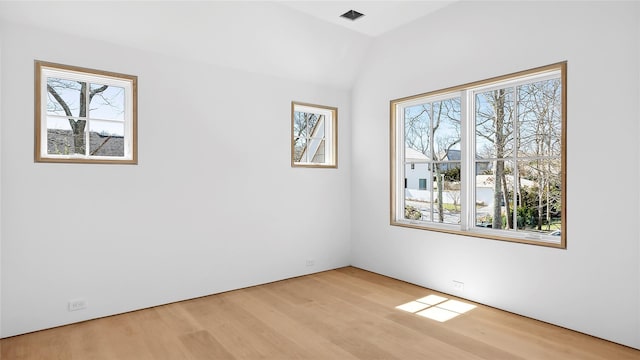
(319, 180)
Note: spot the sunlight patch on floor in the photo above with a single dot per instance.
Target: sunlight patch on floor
(412, 306)
(437, 314)
(436, 308)
(432, 299)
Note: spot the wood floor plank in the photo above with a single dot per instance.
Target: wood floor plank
(87, 339)
(203, 346)
(335, 318)
(126, 334)
(306, 336)
(343, 314)
(335, 328)
(161, 340)
(175, 317)
(536, 338)
(238, 328)
(444, 343)
(40, 345)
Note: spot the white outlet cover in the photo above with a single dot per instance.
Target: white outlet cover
(77, 304)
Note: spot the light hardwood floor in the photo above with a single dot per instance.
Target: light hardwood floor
(346, 313)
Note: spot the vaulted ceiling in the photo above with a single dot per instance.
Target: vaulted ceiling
(302, 40)
(379, 16)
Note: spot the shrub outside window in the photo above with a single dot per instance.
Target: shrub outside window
(84, 115)
(314, 135)
(489, 158)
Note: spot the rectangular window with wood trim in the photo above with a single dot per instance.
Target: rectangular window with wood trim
(489, 158)
(84, 115)
(314, 135)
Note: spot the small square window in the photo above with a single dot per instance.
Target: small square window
(314, 135)
(84, 115)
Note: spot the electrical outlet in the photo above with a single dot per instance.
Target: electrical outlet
(458, 286)
(310, 262)
(77, 304)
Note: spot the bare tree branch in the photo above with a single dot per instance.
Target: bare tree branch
(59, 99)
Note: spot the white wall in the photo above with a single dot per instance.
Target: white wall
(638, 110)
(593, 285)
(213, 205)
(1, 181)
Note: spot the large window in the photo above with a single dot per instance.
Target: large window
(314, 135)
(485, 159)
(84, 115)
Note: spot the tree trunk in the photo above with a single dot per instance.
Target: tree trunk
(499, 173)
(506, 203)
(541, 187)
(79, 146)
(497, 196)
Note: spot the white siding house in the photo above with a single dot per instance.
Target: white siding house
(416, 175)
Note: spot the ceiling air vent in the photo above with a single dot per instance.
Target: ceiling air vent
(351, 15)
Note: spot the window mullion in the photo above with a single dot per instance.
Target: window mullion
(516, 147)
(327, 130)
(431, 162)
(87, 126)
(467, 149)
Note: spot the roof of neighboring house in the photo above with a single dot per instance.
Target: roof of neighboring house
(60, 142)
(412, 155)
(454, 154)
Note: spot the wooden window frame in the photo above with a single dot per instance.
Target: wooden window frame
(43, 70)
(468, 226)
(330, 135)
